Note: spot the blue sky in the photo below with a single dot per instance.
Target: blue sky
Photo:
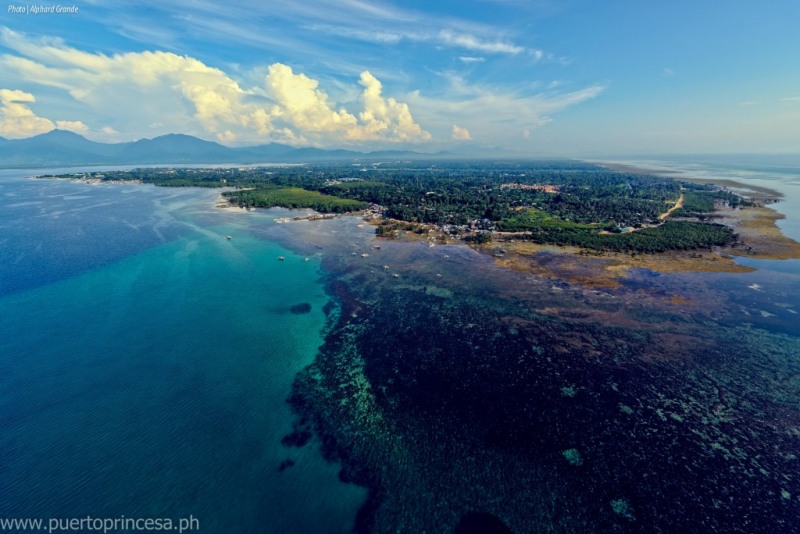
(572, 78)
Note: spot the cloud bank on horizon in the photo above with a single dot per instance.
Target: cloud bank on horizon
(541, 77)
(187, 93)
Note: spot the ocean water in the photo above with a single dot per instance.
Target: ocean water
(145, 362)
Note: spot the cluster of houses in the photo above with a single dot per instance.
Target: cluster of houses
(546, 188)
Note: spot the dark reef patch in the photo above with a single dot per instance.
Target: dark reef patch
(480, 523)
(299, 309)
(286, 464)
(442, 405)
(297, 438)
(550, 408)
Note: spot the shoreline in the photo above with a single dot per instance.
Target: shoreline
(90, 181)
(588, 267)
(224, 204)
(756, 192)
(759, 238)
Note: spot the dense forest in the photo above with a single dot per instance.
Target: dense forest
(556, 202)
(292, 197)
(672, 235)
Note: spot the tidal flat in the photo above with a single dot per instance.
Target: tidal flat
(450, 385)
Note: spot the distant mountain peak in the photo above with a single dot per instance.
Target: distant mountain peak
(178, 136)
(63, 147)
(59, 134)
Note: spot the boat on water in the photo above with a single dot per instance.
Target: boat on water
(227, 237)
(306, 259)
(281, 258)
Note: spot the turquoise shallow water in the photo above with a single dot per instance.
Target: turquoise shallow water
(145, 363)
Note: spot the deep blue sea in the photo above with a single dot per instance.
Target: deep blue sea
(145, 361)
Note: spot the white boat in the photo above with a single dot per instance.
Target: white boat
(281, 258)
(227, 237)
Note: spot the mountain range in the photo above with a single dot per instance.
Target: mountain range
(64, 148)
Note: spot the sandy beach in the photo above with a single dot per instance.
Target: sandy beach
(224, 204)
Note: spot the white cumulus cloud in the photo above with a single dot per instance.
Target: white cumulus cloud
(73, 126)
(386, 117)
(302, 104)
(460, 134)
(160, 92)
(17, 119)
(226, 137)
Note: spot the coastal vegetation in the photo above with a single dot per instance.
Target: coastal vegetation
(699, 202)
(550, 202)
(672, 235)
(292, 197)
